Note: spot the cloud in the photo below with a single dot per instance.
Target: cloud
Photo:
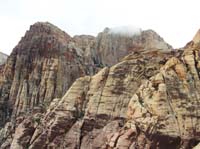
(125, 30)
(92, 16)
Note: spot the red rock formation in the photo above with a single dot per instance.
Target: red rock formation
(97, 111)
(41, 67)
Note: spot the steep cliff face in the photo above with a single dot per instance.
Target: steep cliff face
(148, 100)
(3, 58)
(93, 109)
(108, 48)
(112, 47)
(41, 67)
(47, 61)
(85, 45)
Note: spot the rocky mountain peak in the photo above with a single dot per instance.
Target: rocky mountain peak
(47, 28)
(41, 67)
(43, 38)
(147, 97)
(153, 40)
(113, 44)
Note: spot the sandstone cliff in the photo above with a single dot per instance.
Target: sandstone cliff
(128, 105)
(47, 61)
(91, 106)
(148, 100)
(41, 67)
(111, 48)
(85, 46)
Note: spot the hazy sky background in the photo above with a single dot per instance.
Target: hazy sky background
(175, 20)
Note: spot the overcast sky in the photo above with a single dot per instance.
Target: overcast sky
(175, 20)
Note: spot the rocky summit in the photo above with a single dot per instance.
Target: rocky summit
(112, 47)
(113, 91)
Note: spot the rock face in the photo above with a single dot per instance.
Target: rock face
(148, 100)
(93, 113)
(95, 108)
(147, 97)
(3, 58)
(111, 48)
(85, 46)
(41, 67)
(47, 61)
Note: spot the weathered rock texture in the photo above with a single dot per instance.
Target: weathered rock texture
(3, 58)
(41, 67)
(85, 46)
(47, 61)
(148, 99)
(93, 113)
(111, 48)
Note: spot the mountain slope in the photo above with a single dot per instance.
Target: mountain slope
(41, 67)
(149, 100)
(47, 61)
(35, 112)
(91, 104)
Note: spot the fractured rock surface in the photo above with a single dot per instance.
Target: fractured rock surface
(111, 48)
(41, 67)
(144, 96)
(93, 113)
(130, 105)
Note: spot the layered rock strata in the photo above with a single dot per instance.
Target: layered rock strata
(41, 67)
(43, 110)
(111, 48)
(149, 100)
(93, 113)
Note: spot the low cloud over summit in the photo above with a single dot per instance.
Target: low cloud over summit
(125, 30)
